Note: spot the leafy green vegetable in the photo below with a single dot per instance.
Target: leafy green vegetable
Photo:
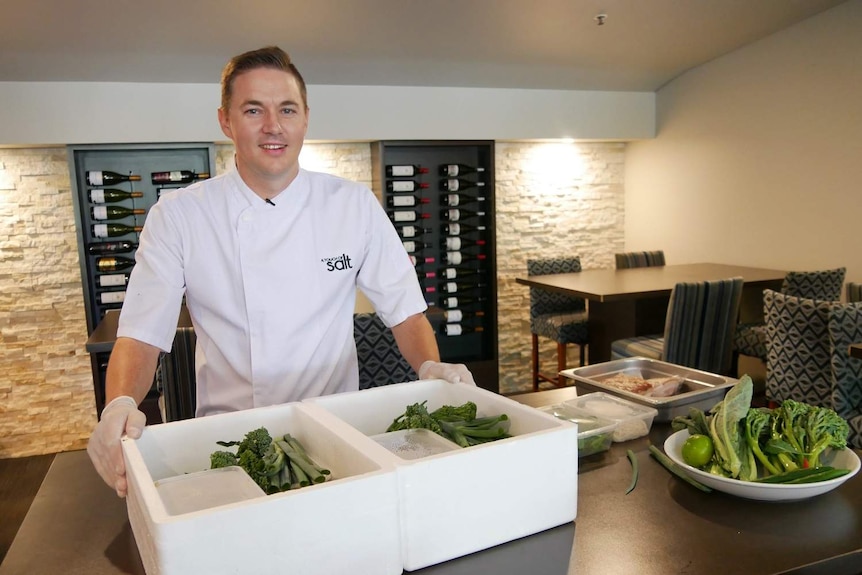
(760, 443)
(416, 416)
(824, 429)
(456, 423)
(725, 427)
(275, 465)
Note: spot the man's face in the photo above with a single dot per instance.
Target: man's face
(267, 122)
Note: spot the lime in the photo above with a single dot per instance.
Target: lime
(697, 450)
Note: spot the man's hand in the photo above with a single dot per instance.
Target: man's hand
(121, 416)
(451, 372)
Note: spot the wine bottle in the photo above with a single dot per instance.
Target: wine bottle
(407, 216)
(455, 287)
(452, 329)
(105, 178)
(456, 214)
(457, 258)
(177, 177)
(112, 280)
(413, 231)
(458, 229)
(455, 170)
(108, 195)
(412, 246)
(112, 296)
(457, 243)
(423, 261)
(111, 248)
(114, 212)
(460, 273)
(405, 201)
(453, 302)
(405, 186)
(114, 230)
(455, 184)
(457, 315)
(114, 263)
(405, 170)
(453, 200)
(426, 275)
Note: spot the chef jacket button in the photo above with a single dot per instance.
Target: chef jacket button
(246, 218)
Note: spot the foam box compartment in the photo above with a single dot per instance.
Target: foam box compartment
(463, 501)
(347, 525)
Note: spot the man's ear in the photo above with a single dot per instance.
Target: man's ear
(224, 122)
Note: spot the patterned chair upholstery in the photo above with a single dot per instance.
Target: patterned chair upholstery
(380, 361)
(798, 352)
(854, 292)
(558, 317)
(845, 327)
(750, 338)
(821, 285)
(629, 260)
(700, 321)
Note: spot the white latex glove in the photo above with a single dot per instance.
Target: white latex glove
(451, 372)
(121, 416)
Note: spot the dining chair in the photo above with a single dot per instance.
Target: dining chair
(175, 377)
(558, 317)
(845, 327)
(854, 292)
(750, 338)
(629, 260)
(380, 360)
(700, 321)
(798, 351)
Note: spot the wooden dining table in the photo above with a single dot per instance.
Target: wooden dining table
(631, 302)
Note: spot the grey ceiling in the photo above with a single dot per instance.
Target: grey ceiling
(548, 44)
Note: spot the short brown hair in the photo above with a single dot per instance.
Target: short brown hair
(269, 57)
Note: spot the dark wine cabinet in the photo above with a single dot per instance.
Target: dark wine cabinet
(104, 287)
(433, 219)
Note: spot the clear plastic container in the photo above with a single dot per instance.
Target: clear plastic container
(633, 420)
(595, 433)
(206, 489)
(414, 443)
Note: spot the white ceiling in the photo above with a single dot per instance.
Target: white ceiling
(547, 44)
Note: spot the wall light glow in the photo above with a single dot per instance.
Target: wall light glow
(555, 166)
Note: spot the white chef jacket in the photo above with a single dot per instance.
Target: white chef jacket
(270, 288)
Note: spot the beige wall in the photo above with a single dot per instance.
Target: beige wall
(758, 158)
(552, 200)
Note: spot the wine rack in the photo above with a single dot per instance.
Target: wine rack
(106, 252)
(446, 221)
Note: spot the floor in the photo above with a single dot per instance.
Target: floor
(20, 479)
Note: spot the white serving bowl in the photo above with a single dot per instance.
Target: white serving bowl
(842, 459)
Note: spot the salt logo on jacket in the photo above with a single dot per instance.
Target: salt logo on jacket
(342, 262)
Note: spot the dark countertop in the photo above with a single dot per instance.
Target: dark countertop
(103, 337)
(77, 525)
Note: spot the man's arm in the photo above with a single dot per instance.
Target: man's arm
(131, 369)
(416, 341)
(130, 376)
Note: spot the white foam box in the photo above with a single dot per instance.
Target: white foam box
(347, 525)
(462, 501)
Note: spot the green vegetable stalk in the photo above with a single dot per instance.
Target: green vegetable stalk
(458, 424)
(275, 465)
(756, 444)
